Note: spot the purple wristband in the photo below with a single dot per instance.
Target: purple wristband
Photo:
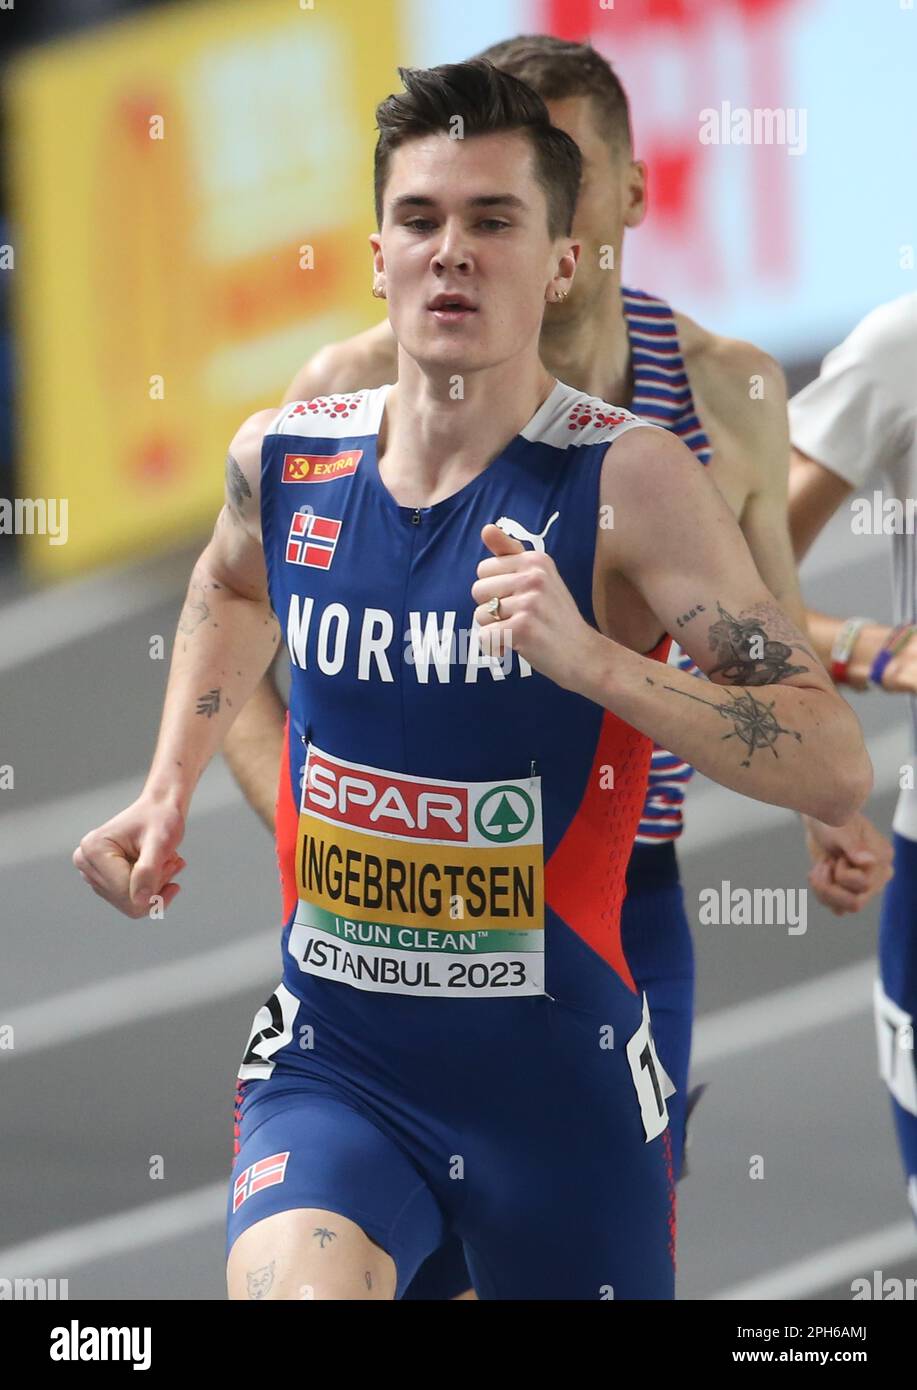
(877, 669)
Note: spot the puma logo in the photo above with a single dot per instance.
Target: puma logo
(517, 532)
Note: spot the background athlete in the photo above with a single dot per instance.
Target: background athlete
(567, 1186)
(631, 348)
(858, 422)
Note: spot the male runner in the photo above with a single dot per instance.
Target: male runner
(858, 420)
(625, 346)
(458, 1044)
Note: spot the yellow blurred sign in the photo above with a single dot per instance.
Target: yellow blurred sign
(192, 194)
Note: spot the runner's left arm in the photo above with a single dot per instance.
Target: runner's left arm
(770, 723)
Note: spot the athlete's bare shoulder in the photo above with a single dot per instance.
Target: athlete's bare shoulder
(243, 469)
(739, 394)
(364, 361)
(729, 377)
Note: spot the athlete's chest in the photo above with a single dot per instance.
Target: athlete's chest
(371, 591)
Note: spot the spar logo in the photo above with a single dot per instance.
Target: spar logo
(404, 807)
(370, 799)
(504, 814)
(319, 468)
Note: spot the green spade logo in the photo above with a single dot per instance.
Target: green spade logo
(504, 814)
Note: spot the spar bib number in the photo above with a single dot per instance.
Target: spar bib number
(411, 885)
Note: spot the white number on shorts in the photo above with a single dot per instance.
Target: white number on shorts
(895, 1039)
(272, 1029)
(650, 1080)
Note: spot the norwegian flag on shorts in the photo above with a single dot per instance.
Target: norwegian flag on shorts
(312, 540)
(265, 1173)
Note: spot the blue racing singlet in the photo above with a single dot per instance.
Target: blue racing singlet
(451, 827)
(449, 821)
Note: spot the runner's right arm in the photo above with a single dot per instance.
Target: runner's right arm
(227, 635)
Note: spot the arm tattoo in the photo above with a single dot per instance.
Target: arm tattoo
(196, 609)
(236, 484)
(369, 1279)
(324, 1235)
(209, 703)
(753, 722)
(259, 1281)
(692, 613)
(750, 653)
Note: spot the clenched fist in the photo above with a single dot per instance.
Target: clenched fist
(537, 611)
(134, 856)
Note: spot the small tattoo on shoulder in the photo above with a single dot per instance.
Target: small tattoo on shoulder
(236, 483)
(324, 1236)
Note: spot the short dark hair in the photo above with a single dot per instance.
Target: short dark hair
(556, 69)
(487, 100)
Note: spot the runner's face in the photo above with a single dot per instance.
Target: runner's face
(467, 218)
(611, 198)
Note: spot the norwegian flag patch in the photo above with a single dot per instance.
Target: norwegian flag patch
(312, 540)
(267, 1172)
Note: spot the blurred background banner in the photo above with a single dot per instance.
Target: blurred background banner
(787, 241)
(192, 193)
(191, 197)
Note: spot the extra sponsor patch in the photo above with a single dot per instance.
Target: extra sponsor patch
(267, 1172)
(319, 468)
(312, 540)
(413, 885)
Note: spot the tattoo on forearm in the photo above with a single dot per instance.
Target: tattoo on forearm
(324, 1235)
(236, 484)
(259, 1281)
(209, 703)
(749, 649)
(753, 722)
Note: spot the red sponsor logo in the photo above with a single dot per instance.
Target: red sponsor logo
(319, 468)
(267, 1172)
(312, 540)
(382, 801)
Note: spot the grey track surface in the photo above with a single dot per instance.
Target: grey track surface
(82, 1118)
